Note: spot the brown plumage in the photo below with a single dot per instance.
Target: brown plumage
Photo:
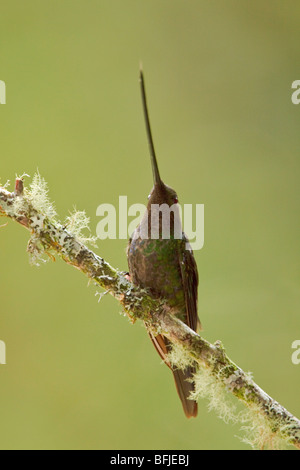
(167, 268)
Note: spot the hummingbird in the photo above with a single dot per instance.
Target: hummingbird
(165, 266)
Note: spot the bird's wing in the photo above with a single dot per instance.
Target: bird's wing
(190, 281)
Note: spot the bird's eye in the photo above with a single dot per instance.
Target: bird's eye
(175, 200)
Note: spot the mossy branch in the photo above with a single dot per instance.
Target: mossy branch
(216, 376)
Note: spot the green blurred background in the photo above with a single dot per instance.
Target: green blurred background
(219, 77)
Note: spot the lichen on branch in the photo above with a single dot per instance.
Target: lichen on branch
(268, 424)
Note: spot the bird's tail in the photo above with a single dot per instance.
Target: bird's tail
(182, 377)
(184, 389)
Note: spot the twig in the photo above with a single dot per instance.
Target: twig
(49, 235)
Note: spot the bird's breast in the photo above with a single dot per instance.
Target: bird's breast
(154, 264)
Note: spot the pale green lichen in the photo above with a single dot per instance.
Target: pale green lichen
(21, 177)
(36, 251)
(101, 295)
(255, 426)
(257, 431)
(178, 357)
(211, 386)
(38, 196)
(43, 221)
(6, 185)
(78, 222)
